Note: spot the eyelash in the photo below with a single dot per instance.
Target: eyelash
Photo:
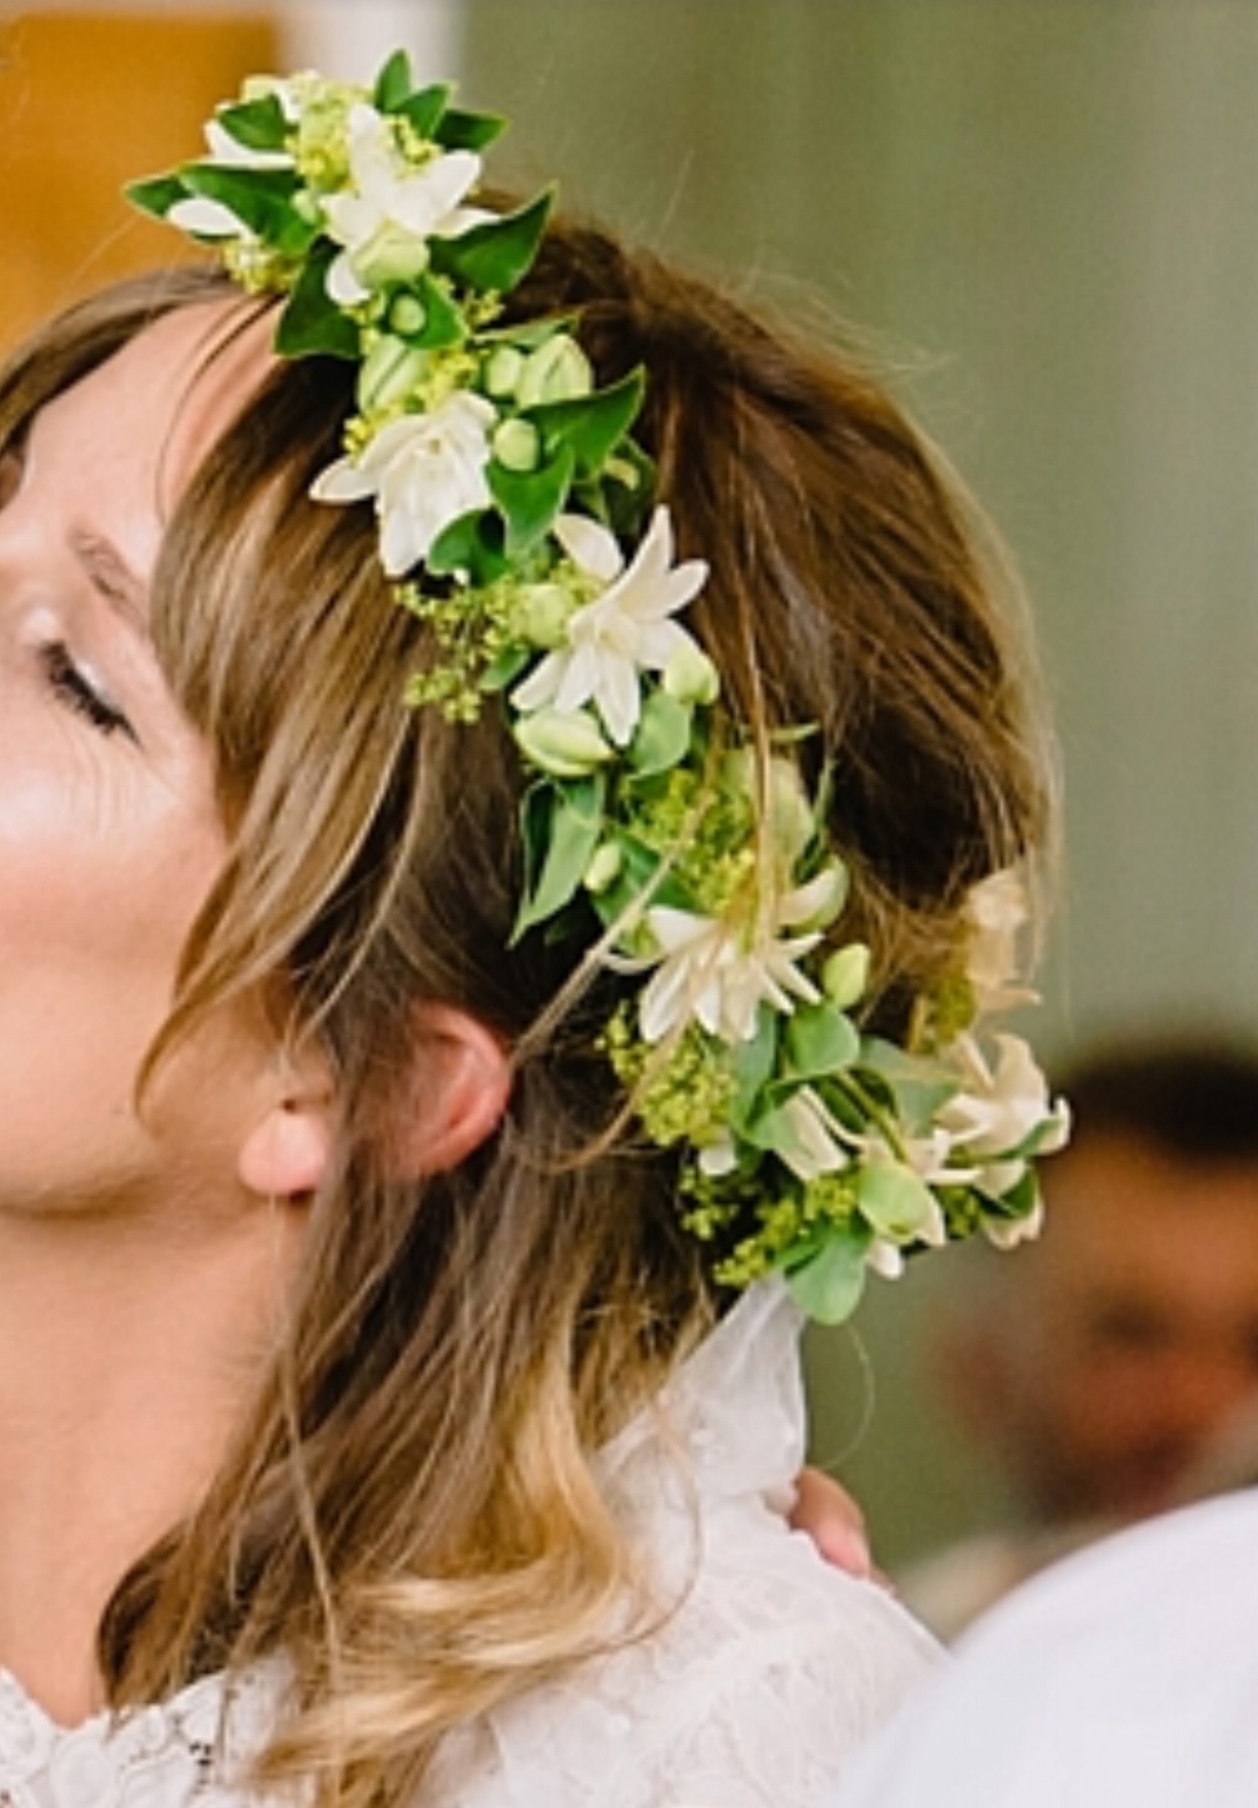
(76, 691)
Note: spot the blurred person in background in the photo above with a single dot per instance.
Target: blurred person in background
(1111, 1368)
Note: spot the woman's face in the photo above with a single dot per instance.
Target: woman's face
(109, 834)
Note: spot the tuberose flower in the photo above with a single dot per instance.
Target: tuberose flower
(625, 630)
(424, 470)
(391, 203)
(713, 972)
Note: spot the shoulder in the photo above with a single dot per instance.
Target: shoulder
(753, 1693)
(1087, 1685)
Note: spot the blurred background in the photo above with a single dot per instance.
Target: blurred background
(1041, 213)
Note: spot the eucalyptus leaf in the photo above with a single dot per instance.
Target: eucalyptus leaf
(820, 1040)
(561, 824)
(493, 257)
(828, 1286)
(529, 500)
(754, 1061)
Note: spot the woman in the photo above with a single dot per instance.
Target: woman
(432, 1031)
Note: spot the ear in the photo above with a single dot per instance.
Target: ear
(286, 1153)
(460, 1082)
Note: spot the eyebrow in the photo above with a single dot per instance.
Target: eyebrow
(112, 578)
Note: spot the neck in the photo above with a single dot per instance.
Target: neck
(130, 1347)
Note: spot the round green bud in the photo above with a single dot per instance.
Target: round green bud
(502, 371)
(690, 676)
(517, 445)
(846, 975)
(543, 613)
(566, 746)
(407, 315)
(604, 867)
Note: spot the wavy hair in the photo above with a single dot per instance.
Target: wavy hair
(411, 1513)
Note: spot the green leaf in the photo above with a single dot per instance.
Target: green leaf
(505, 667)
(462, 131)
(311, 321)
(258, 124)
(820, 1040)
(157, 194)
(262, 200)
(424, 109)
(529, 500)
(895, 1201)
(494, 256)
(592, 425)
(754, 1062)
(443, 320)
(393, 84)
(828, 1285)
(918, 1086)
(663, 735)
(561, 825)
(472, 543)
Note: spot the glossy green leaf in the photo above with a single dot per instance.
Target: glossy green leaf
(424, 110)
(462, 131)
(529, 500)
(260, 199)
(492, 257)
(471, 544)
(393, 84)
(157, 194)
(258, 124)
(561, 824)
(311, 321)
(591, 425)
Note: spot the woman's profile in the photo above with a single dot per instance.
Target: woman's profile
(513, 776)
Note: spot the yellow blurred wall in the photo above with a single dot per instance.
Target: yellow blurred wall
(87, 102)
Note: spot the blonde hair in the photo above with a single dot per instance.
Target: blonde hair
(410, 1513)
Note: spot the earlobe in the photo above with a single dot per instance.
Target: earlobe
(461, 1081)
(286, 1154)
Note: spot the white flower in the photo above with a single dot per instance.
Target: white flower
(997, 912)
(709, 971)
(625, 630)
(391, 200)
(811, 1146)
(424, 470)
(998, 1111)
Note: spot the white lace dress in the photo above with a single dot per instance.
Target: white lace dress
(752, 1694)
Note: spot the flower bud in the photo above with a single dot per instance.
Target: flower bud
(690, 675)
(502, 371)
(407, 315)
(391, 372)
(604, 867)
(517, 445)
(566, 746)
(846, 975)
(391, 255)
(557, 371)
(543, 612)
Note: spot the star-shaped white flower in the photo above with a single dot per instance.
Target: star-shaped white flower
(627, 629)
(389, 199)
(424, 470)
(1000, 1108)
(716, 974)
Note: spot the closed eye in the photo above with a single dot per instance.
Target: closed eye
(75, 690)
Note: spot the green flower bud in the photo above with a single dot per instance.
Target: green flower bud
(517, 445)
(691, 677)
(567, 746)
(390, 255)
(407, 315)
(543, 613)
(391, 372)
(604, 867)
(502, 371)
(557, 371)
(846, 975)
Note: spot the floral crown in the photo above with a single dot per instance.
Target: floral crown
(517, 518)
